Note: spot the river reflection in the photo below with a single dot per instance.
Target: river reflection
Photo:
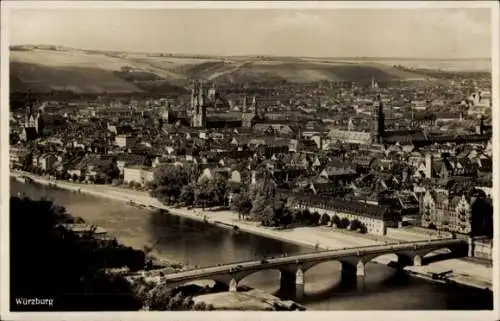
(200, 244)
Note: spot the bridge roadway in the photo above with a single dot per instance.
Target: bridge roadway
(292, 268)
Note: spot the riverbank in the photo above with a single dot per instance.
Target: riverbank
(467, 273)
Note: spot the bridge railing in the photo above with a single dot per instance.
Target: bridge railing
(393, 245)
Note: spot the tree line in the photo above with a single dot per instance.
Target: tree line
(260, 202)
(48, 260)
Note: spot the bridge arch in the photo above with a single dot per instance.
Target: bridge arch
(437, 250)
(384, 258)
(241, 276)
(269, 279)
(307, 266)
(210, 282)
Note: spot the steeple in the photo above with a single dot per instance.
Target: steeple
(29, 110)
(201, 94)
(194, 97)
(212, 93)
(30, 101)
(199, 100)
(350, 125)
(380, 122)
(244, 107)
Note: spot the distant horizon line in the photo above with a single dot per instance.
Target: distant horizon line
(245, 55)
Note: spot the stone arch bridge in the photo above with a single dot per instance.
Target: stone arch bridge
(293, 268)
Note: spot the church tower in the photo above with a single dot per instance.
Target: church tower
(374, 83)
(29, 110)
(244, 106)
(33, 122)
(212, 94)
(198, 105)
(254, 106)
(481, 125)
(350, 125)
(38, 122)
(380, 121)
(249, 115)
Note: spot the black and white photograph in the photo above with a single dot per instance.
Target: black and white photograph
(236, 157)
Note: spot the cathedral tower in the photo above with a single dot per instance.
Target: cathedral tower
(198, 105)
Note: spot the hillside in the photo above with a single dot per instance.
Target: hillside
(58, 68)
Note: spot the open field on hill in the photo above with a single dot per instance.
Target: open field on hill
(40, 78)
(97, 71)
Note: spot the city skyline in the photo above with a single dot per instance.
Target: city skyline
(435, 33)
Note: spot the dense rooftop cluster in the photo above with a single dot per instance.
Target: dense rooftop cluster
(373, 150)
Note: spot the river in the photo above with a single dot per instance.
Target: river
(196, 243)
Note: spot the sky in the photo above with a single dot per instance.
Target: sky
(423, 33)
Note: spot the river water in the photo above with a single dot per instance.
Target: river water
(195, 243)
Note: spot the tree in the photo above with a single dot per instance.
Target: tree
(159, 298)
(204, 192)
(344, 223)
(306, 217)
(220, 190)
(355, 225)
(315, 218)
(297, 216)
(168, 182)
(187, 303)
(193, 173)
(264, 195)
(286, 217)
(175, 302)
(268, 217)
(200, 306)
(187, 195)
(325, 219)
(241, 204)
(111, 170)
(70, 263)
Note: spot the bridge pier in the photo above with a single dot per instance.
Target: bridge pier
(233, 285)
(404, 260)
(299, 283)
(350, 272)
(360, 269)
(470, 247)
(287, 281)
(417, 260)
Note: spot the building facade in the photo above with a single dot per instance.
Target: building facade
(375, 218)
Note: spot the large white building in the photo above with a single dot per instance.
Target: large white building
(125, 140)
(375, 218)
(137, 174)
